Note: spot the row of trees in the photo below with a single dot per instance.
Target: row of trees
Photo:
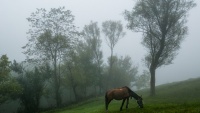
(77, 55)
(61, 59)
(29, 83)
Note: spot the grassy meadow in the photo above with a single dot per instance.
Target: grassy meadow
(177, 97)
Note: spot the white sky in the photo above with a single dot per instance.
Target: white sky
(13, 28)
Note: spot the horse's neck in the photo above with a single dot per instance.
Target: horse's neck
(134, 95)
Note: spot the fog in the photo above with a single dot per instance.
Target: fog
(13, 28)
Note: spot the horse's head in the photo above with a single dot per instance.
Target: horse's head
(139, 101)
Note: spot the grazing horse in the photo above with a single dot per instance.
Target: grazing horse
(122, 93)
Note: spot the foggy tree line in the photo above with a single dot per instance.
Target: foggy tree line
(64, 61)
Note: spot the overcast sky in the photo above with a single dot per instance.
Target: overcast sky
(13, 28)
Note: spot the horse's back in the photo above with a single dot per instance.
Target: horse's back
(118, 93)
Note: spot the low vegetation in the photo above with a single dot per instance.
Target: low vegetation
(177, 97)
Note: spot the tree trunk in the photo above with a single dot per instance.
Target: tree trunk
(111, 69)
(100, 84)
(57, 84)
(100, 78)
(73, 83)
(75, 93)
(152, 82)
(58, 98)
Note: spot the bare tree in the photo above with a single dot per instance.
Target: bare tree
(93, 40)
(162, 23)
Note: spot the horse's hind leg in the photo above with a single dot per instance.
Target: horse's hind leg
(107, 101)
(122, 104)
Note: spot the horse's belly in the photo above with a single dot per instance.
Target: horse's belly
(121, 96)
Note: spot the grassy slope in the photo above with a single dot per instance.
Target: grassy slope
(178, 97)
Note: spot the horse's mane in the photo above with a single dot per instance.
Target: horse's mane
(132, 94)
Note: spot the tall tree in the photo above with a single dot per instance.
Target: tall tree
(91, 34)
(163, 24)
(51, 34)
(71, 71)
(79, 70)
(113, 31)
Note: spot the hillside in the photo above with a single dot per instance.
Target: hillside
(188, 90)
(179, 97)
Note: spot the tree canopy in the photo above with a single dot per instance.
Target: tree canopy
(163, 24)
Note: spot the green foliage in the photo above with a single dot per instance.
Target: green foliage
(9, 88)
(81, 69)
(123, 72)
(4, 68)
(33, 84)
(47, 44)
(142, 81)
(16, 67)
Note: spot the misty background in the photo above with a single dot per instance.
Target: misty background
(13, 28)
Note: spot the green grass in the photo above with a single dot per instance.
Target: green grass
(178, 97)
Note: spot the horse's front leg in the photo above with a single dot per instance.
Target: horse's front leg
(122, 104)
(127, 102)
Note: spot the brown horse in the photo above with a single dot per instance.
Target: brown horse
(122, 93)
